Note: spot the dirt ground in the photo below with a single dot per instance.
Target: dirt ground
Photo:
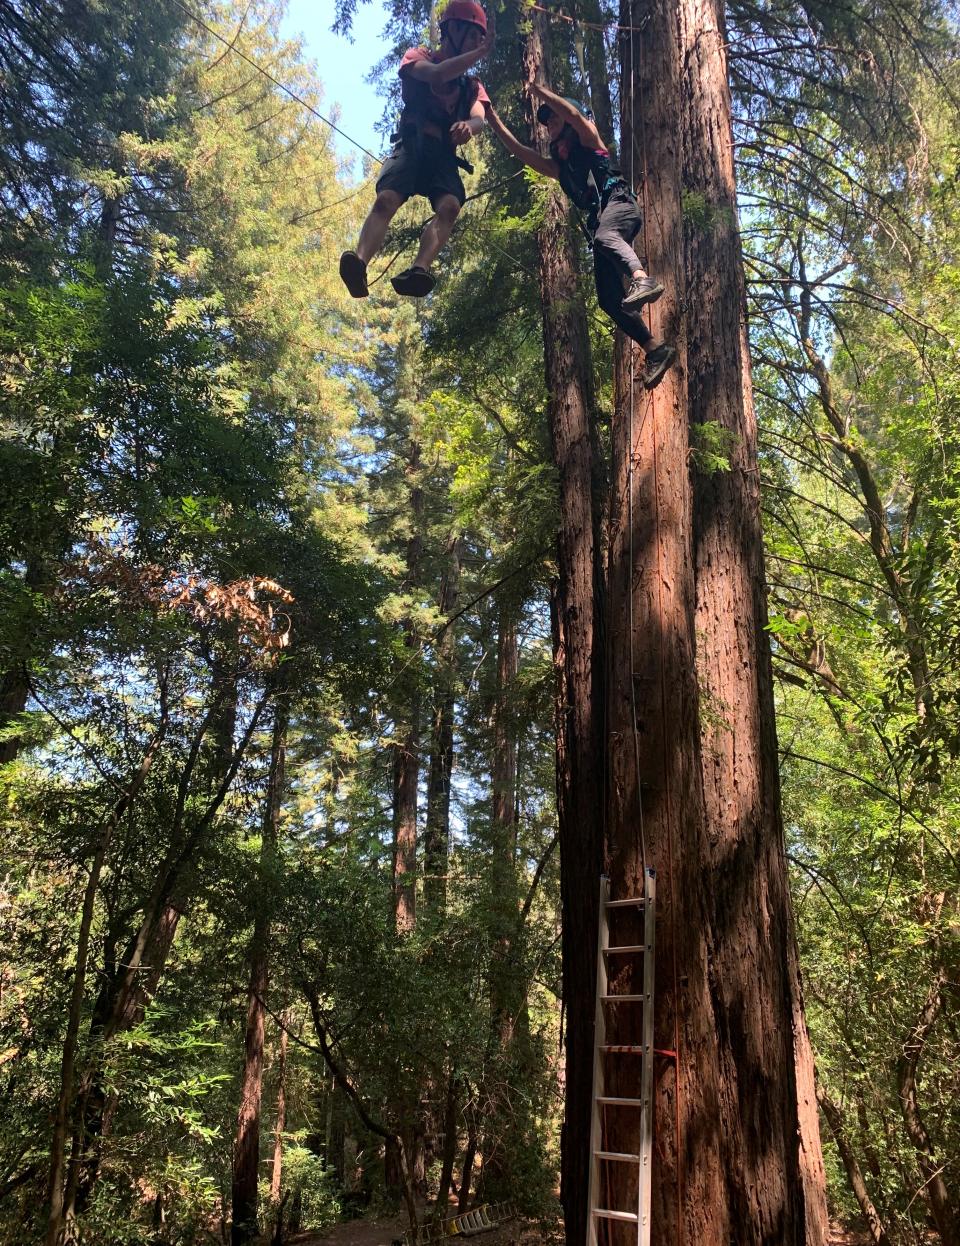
(517, 1233)
(384, 1231)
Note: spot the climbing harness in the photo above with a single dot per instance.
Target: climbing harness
(414, 118)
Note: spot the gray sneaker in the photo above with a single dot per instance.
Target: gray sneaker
(642, 290)
(659, 361)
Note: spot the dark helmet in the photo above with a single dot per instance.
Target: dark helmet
(464, 11)
(545, 112)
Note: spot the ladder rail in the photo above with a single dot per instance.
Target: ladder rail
(599, 1038)
(599, 1155)
(646, 1062)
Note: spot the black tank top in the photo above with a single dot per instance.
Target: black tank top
(584, 171)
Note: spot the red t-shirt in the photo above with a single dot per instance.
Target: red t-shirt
(440, 105)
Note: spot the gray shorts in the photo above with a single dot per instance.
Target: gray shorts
(431, 171)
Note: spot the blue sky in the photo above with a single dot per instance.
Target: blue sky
(343, 65)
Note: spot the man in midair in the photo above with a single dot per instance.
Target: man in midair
(580, 161)
(443, 108)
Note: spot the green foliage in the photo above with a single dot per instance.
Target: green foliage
(711, 446)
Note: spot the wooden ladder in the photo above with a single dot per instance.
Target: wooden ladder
(602, 1051)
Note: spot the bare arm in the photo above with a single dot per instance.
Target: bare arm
(463, 131)
(529, 155)
(584, 129)
(443, 71)
(454, 66)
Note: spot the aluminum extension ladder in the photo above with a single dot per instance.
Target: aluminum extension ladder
(601, 1050)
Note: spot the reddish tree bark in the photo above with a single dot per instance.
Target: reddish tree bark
(691, 740)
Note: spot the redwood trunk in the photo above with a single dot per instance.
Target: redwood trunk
(578, 659)
(691, 735)
(775, 1153)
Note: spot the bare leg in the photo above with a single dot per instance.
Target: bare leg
(437, 231)
(375, 227)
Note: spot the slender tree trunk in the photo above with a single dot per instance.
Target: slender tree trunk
(469, 1156)
(503, 976)
(406, 765)
(501, 1116)
(942, 1210)
(878, 1234)
(124, 998)
(577, 656)
(55, 1216)
(276, 1174)
(449, 1150)
(246, 1147)
(598, 74)
(436, 837)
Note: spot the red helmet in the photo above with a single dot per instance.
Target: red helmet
(464, 11)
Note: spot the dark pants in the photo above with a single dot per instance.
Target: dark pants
(615, 262)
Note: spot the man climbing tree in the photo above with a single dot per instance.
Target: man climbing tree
(443, 108)
(580, 160)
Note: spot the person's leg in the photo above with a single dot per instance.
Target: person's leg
(619, 224)
(385, 208)
(609, 281)
(394, 186)
(660, 356)
(437, 231)
(439, 179)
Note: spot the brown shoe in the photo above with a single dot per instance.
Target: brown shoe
(353, 273)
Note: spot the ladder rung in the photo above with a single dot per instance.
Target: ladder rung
(623, 1156)
(632, 947)
(635, 1103)
(621, 1049)
(630, 1216)
(629, 999)
(637, 903)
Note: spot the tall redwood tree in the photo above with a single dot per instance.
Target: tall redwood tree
(690, 736)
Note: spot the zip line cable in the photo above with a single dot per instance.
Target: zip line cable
(232, 47)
